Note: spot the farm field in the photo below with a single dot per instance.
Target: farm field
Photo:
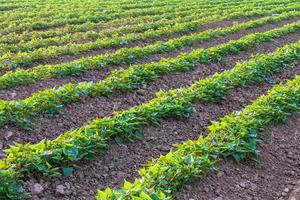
(150, 100)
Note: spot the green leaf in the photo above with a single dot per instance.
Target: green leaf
(154, 197)
(71, 152)
(119, 140)
(67, 171)
(190, 160)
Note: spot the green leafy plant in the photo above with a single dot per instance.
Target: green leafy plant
(236, 136)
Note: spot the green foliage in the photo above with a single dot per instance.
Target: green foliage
(236, 135)
(54, 157)
(50, 101)
(27, 59)
(79, 67)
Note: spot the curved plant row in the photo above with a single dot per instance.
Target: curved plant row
(22, 76)
(14, 38)
(52, 157)
(28, 46)
(236, 135)
(51, 100)
(26, 59)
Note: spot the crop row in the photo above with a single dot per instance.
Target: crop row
(50, 156)
(236, 135)
(51, 100)
(26, 36)
(27, 46)
(36, 24)
(24, 59)
(56, 10)
(75, 10)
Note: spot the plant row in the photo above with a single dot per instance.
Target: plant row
(74, 10)
(37, 24)
(24, 59)
(36, 43)
(236, 135)
(57, 10)
(53, 157)
(73, 49)
(26, 36)
(129, 55)
(88, 26)
(50, 101)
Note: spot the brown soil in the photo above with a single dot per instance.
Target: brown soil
(80, 113)
(295, 194)
(122, 161)
(274, 177)
(24, 91)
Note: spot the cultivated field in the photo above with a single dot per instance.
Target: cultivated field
(150, 100)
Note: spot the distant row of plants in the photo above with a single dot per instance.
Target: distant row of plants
(14, 38)
(55, 157)
(87, 16)
(72, 9)
(36, 43)
(50, 101)
(26, 59)
(236, 135)
(129, 55)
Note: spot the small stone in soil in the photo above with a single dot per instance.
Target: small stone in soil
(60, 189)
(220, 174)
(8, 135)
(37, 188)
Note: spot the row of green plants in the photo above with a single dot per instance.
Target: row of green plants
(65, 9)
(71, 11)
(50, 101)
(71, 48)
(36, 24)
(55, 157)
(26, 59)
(61, 10)
(129, 55)
(235, 135)
(36, 43)
(14, 38)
